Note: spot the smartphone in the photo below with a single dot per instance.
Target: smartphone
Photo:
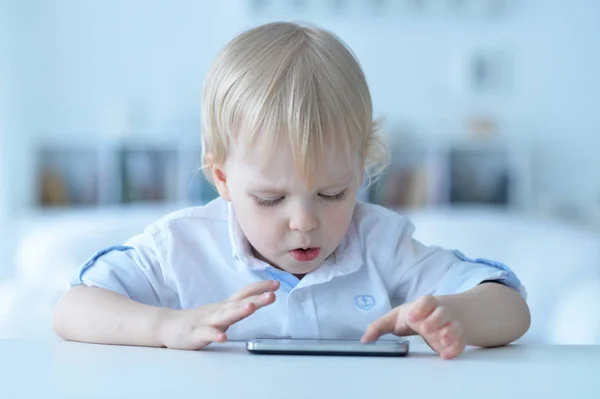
(327, 347)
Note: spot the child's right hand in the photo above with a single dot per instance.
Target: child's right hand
(195, 328)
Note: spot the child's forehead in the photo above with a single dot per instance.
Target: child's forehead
(277, 166)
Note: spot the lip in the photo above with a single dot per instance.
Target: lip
(307, 255)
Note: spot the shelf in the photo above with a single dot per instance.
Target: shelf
(421, 174)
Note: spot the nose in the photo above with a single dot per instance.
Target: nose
(303, 220)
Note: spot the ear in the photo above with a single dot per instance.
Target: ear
(220, 180)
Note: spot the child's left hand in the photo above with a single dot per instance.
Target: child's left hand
(440, 328)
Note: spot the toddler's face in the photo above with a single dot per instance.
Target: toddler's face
(290, 225)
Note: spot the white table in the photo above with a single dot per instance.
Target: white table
(46, 369)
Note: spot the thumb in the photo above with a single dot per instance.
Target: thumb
(392, 323)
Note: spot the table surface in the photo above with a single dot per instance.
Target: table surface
(59, 369)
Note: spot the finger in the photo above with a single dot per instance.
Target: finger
(204, 335)
(256, 289)
(226, 315)
(422, 308)
(434, 322)
(450, 333)
(260, 301)
(453, 351)
(381, 326)
(434, 342)
(229, 312)
(444, 338)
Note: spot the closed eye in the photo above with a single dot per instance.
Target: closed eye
(265, 203)
(334, 198)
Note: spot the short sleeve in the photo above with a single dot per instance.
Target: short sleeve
(133, 270)
(430, 270)
(470, 272)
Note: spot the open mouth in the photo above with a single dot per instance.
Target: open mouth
(305, 254)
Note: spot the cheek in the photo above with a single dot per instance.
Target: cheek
(259, 225)
(338, 219)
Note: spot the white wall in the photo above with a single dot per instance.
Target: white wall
(3, 125)
(100, 57)
(5, 137)
(95, 58)
(18, 106)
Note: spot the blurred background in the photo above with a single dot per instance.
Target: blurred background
(490, 108)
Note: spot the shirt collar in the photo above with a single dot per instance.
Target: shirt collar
(240, 245)
(346, 259)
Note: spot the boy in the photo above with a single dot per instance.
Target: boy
(287, 251)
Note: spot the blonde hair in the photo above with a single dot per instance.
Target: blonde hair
(282, 80)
